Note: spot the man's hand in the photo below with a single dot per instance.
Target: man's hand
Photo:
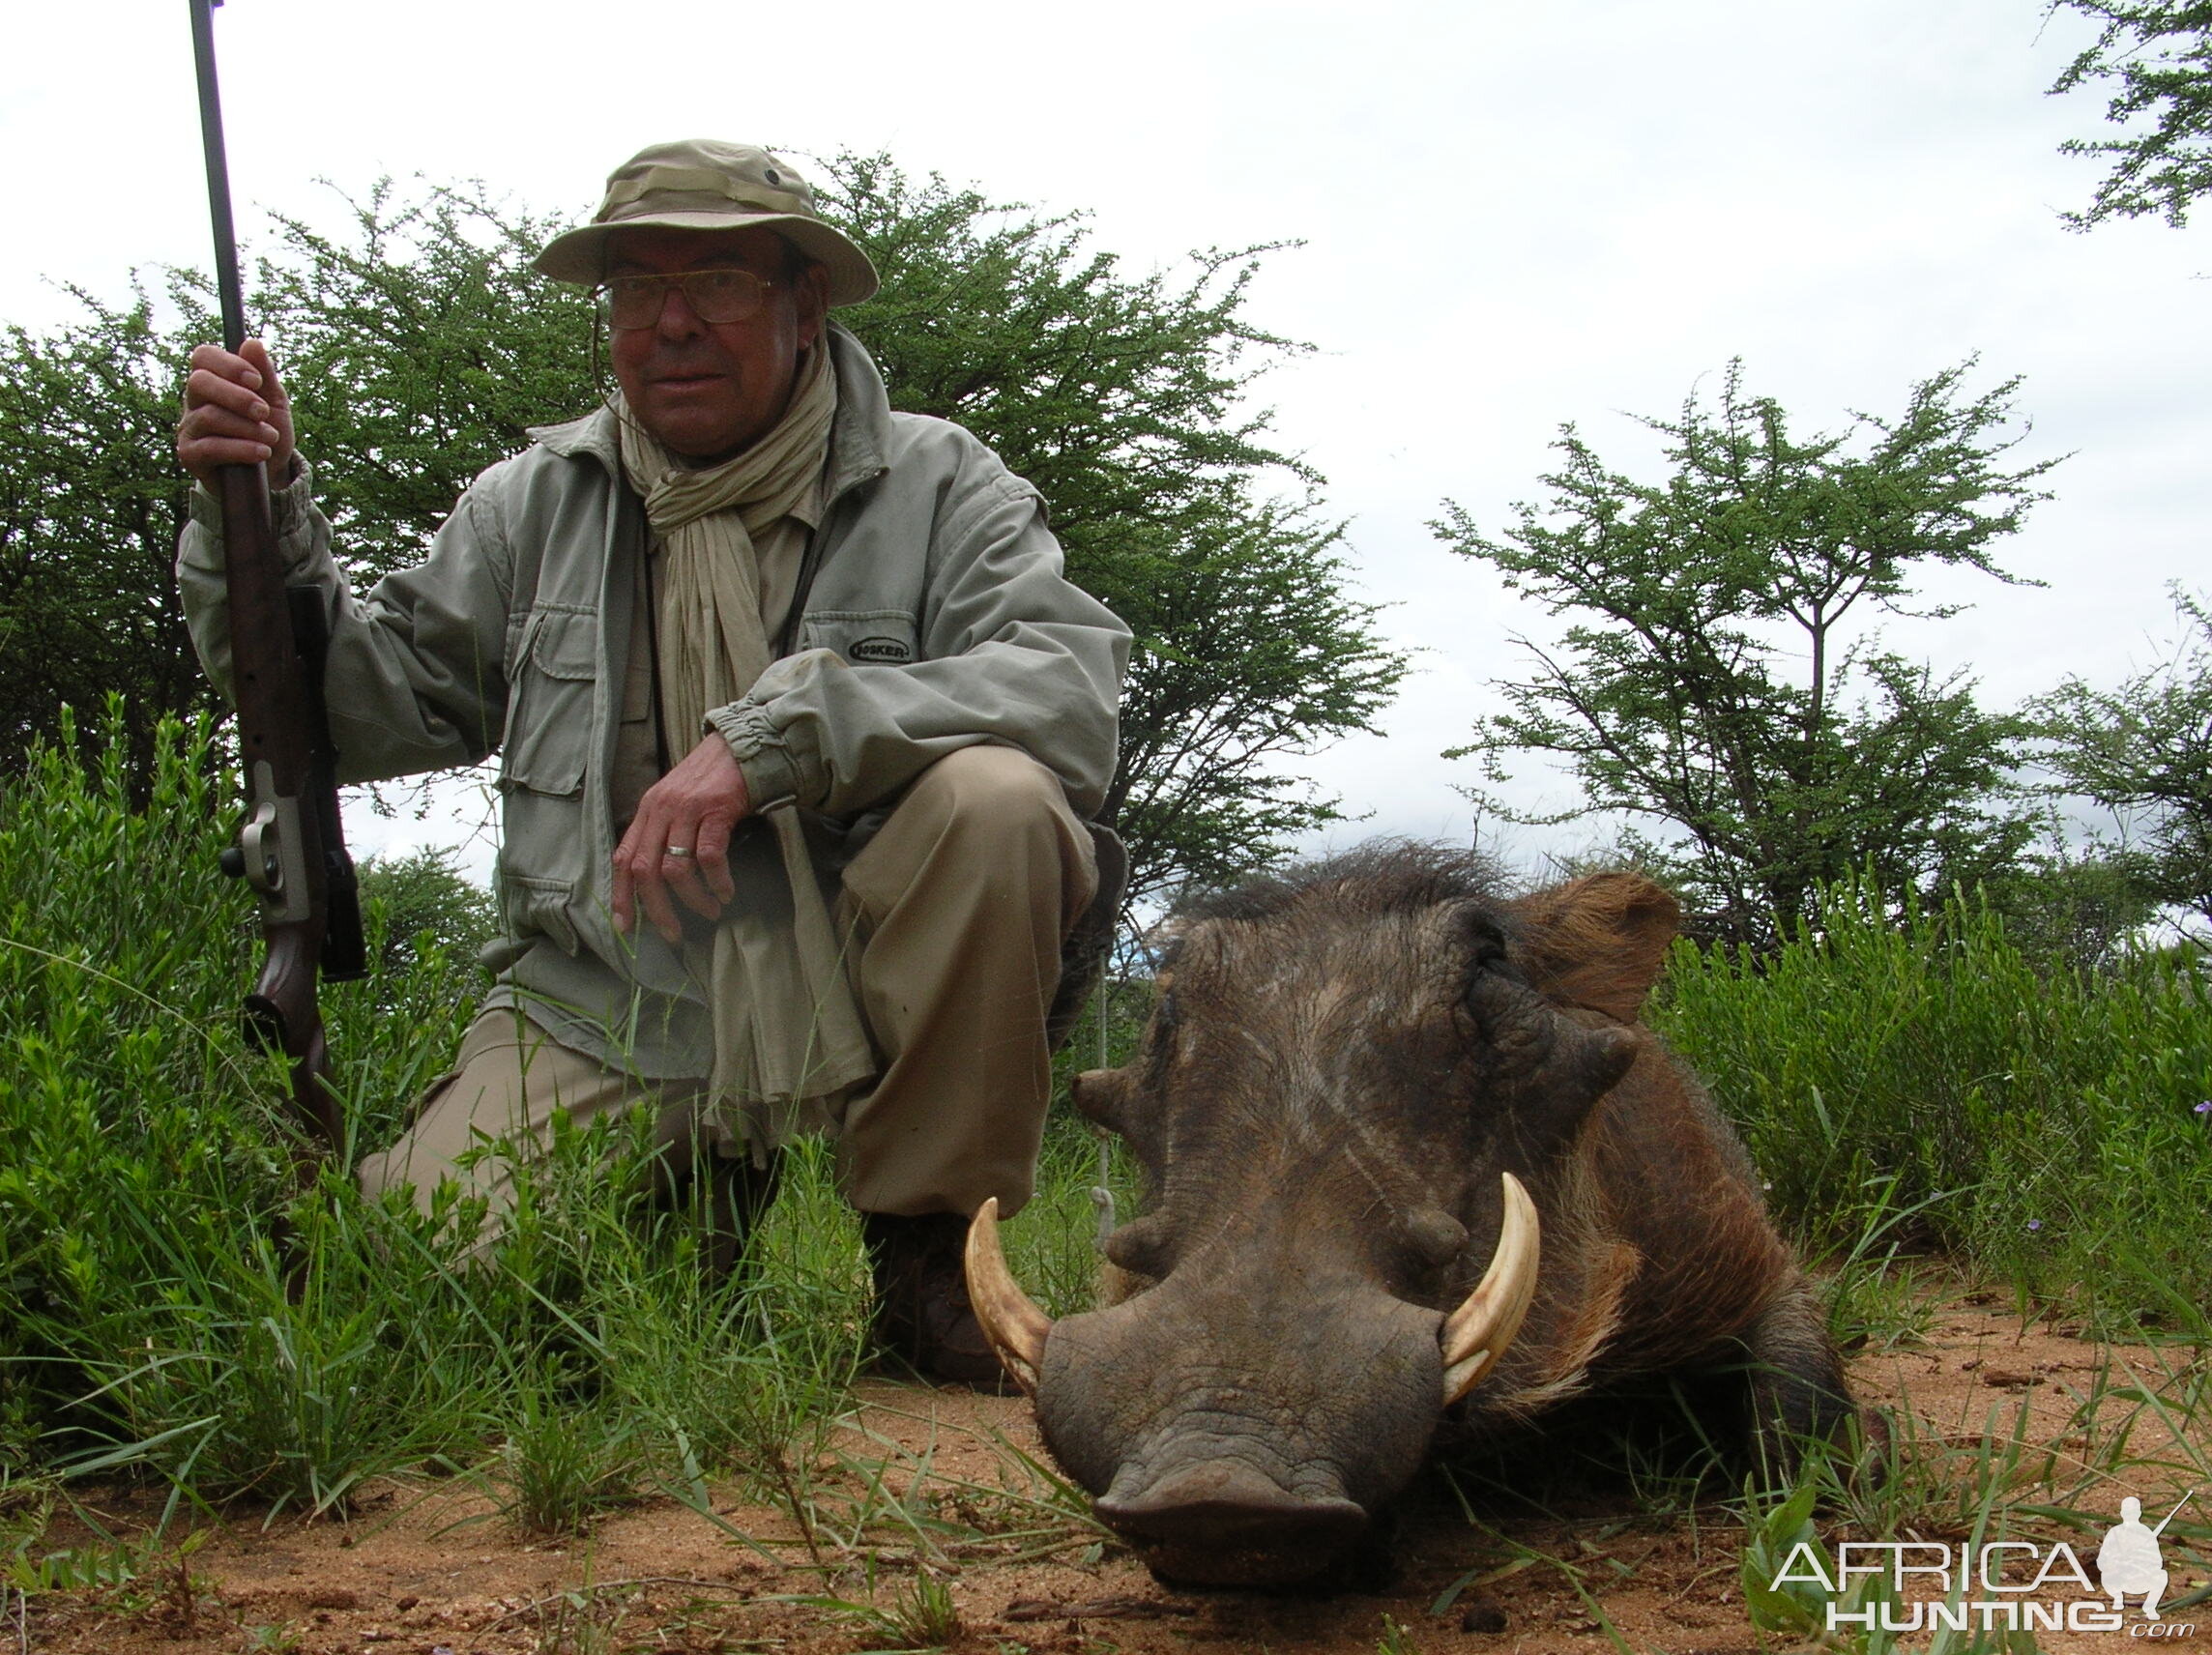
(680, 840)
(236, 413)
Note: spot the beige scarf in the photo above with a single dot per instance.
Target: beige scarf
(788, 1038)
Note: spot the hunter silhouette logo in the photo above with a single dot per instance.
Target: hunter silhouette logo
(2127, 1562)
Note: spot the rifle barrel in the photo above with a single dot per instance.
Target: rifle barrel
(226, 285)
(2174, 1513)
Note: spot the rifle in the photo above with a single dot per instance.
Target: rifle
(291, 845)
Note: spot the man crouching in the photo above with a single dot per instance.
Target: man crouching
(796, 679)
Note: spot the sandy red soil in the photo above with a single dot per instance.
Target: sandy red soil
(431, 1568)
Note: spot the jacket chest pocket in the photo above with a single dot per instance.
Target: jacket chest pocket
(864, 637)
(550, 687)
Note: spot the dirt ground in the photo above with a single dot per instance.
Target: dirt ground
(432, 1569)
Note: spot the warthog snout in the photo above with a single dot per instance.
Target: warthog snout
(1219, 1522)
(1303, 1399)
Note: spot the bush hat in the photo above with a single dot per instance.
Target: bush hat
(698, 183)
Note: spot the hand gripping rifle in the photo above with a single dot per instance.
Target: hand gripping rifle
(291, 846)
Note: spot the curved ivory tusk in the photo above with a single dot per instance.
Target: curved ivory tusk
(1476, 1334)
(1013, 1322)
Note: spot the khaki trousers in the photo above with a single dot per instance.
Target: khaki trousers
(958, 907)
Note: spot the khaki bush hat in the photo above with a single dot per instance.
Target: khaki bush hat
(701, 185)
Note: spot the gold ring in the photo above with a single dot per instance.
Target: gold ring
(679, 850)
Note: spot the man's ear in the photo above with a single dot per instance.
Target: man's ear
(1597, 942)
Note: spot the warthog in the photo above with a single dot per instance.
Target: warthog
(1365, 1091)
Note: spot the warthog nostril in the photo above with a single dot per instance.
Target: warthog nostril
(1226, 1504)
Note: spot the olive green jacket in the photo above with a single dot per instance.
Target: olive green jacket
(932, 614)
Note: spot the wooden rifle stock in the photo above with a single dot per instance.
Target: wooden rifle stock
(291, 846)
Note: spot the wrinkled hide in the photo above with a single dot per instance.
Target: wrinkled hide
(1342, 1070)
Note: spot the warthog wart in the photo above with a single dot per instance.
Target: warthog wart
(1412, 1161)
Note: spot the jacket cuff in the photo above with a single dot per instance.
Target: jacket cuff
(762, 753)
(291, 513)
(289, 509)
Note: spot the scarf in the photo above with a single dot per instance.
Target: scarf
(788, 1038)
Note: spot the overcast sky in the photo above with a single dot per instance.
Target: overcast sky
(1513, 216)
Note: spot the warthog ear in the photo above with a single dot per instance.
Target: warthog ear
(1597, 942)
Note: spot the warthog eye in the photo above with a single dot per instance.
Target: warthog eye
(1480, 939)
(1495, 988)
(1159, 1039)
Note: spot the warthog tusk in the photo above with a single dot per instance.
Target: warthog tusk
(1476, 1334)
(1013, 1322)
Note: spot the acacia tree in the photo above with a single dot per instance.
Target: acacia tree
(1124, 399)
(419, 348)
(416, 352)
(1716, 680)
(91, 506)
(2160, 54)
(2145, 752)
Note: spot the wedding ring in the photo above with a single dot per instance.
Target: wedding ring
(680, 850)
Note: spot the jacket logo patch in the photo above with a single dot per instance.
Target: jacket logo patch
(880, 649)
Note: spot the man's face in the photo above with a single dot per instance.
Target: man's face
(709, 390)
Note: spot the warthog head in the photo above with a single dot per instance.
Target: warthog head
(1351, 1086)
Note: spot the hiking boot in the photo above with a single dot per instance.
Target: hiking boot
(726, 1196)
(737, 1198)
(924, 1320)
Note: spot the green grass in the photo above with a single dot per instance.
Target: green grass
(1928, 1085)
(1905, 1091)
(148, 1328)
(921, 1616)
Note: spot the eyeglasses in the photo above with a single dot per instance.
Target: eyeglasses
(713, 295)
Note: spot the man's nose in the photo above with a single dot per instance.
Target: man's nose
(678, 320)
